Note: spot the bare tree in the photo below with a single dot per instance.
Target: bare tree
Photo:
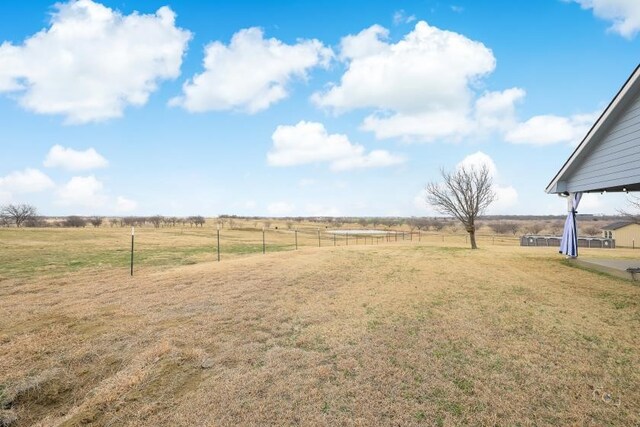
(156, 220)
(464, 194)
(75, 221)
(18, 214)
(501, 227)
(535, 228)
(634, 204)
(96, 221)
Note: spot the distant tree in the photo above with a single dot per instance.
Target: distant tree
(75, 221)
(437, 225)
(96, 221)
(199, 220)
(18, 214)
(363, 222)
(114, 222)
(36, 221)
(156, 220)
(592, 230)
(535, 228)
(232, 223)
(500, 227)
(289, 225)
(463, 194)
(513, 227)
(556, 228)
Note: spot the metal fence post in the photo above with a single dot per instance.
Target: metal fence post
(132, 239)
(264, 247)
(218, 242)
(318, 237)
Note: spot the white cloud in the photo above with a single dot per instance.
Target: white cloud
(74, 160)
(82, 191)
(424, 87)
(506, 197)
(92, 62)
(251, 73)
(624, 14)
(306, 182)
(549, 129)
(280, 208)
(477, 160)
(401, 17)
(25, 181)
(429, 70)
(309, 142)
(124, 205)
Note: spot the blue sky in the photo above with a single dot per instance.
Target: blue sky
(300, 108)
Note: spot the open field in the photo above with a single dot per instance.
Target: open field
(402, 333)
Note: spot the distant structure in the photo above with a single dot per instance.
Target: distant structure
(626, 234)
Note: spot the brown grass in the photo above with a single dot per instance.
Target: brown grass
(396, 334)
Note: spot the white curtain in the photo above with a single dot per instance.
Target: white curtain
(569, 244)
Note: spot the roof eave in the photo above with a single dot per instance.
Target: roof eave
(631, 82)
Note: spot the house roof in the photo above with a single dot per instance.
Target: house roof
(626, 91)
(616, 225)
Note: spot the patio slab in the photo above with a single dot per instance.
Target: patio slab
(615, 267)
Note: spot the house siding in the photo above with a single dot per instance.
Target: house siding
(627, 236)
(615, 160)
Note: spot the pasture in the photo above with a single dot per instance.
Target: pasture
(398, 333)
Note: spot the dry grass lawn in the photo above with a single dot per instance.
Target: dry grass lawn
(395, 334)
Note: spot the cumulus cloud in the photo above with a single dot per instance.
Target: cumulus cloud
(82, 191)
(624, 14)
(280, 208)
(478, 160)
(309, 142)
(25, 181)
(425, 87)
(549, 129)
(421, 88)
(251, 73)
(92, 62)
(429, 69)
(74, 160)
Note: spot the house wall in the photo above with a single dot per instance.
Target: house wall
(615, 160)
(625, 236)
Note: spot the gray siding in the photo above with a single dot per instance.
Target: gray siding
(615, 159)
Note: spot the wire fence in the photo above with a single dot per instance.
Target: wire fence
(231, 243)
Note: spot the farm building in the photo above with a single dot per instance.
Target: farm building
(607, 159)
(625, 233)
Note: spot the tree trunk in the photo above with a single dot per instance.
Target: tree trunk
(472, 238)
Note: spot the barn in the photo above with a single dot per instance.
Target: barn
(626, 234)
(607, 159)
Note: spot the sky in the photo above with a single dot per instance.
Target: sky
(298, 108)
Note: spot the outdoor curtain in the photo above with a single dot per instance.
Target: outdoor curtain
(569, 244)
